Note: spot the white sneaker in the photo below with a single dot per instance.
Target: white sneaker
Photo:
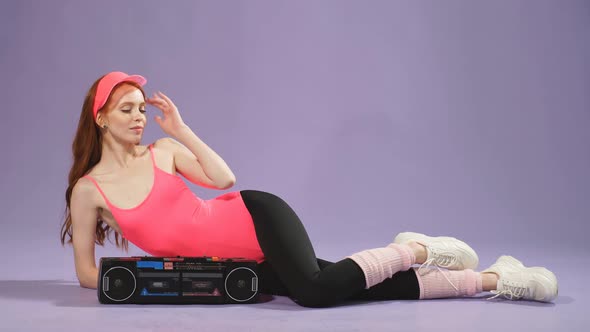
(516, 281)
(442, 251)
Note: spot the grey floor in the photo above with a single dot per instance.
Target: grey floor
(34, 303)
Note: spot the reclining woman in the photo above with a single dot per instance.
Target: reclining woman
(137, 191)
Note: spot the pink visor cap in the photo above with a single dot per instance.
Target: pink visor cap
(108, 82)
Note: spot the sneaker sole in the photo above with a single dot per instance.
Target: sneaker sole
(546, 280)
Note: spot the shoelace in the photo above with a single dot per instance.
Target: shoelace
(511, 291)
(440, 259)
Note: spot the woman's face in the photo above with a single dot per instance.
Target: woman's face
(125, 115)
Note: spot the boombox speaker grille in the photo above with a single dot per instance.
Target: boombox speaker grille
(241, 284)
(118, 283)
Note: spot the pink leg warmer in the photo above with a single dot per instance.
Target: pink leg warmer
(433, 283)
(381, 263)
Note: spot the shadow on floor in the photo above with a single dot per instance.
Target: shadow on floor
(70, 294)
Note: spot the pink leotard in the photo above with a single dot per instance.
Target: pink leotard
(174, 221)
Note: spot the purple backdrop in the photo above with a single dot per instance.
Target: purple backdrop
(462, 118)
(459, 118)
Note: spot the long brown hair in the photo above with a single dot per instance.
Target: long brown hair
(87, 151)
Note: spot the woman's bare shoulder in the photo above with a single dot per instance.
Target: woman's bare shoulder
(84, 189)
(164, 146)
(164, 155)
(85, 196)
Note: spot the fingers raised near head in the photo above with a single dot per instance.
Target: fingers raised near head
(159, 103)
(168, 100)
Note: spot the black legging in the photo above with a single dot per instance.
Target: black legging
(292, 269)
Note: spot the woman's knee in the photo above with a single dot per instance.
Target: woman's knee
(314, 300)
(314, 295)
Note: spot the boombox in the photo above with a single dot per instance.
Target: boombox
(177, 280)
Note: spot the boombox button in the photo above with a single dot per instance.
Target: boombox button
(215, 259)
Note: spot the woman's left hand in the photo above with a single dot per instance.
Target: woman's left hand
(172, 123)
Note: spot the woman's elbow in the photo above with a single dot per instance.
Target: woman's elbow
(89, 280)
(87, 285)
(228, 185)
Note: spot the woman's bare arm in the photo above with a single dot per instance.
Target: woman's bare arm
(84, 221)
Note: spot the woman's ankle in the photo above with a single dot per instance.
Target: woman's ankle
(419, 251)
(489, 281)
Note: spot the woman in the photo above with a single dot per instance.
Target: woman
(137, 191)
